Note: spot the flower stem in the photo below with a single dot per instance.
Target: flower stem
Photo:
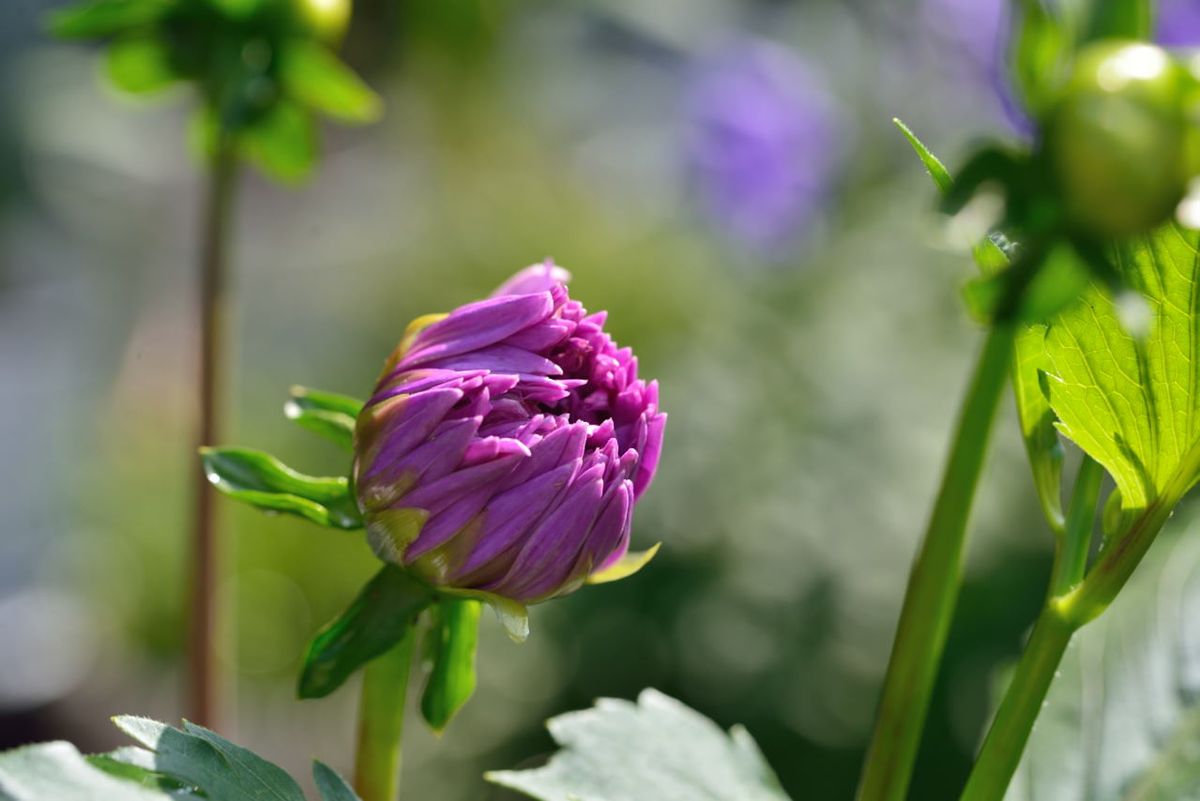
(1022, 702)
(1070, 561)
(933, 584)
(381, 722)
(205, 547)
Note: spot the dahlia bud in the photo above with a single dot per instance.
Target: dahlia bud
(506, 444)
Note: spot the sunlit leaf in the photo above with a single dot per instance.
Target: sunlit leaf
(376, 620)
(1041, 49)
(106, 17)
(1134, 405)
(312, 74)
(325, 413)
(141, 65)
(654, 750)
(58, 771)
(1122, 719)
(452, 681)
(261, 480)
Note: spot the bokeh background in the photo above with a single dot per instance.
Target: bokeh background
(722, 176)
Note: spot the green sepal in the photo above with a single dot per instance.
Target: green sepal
(261, 480)
(106, 18)
(937, 170)
(626, 566)
(1041, 48)
(378, 618)
(282, 142)
(312, 74)
(454, 636)
(140, 65)
(325, 413)
(1120, 19)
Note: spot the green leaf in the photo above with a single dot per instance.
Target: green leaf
(1122, 719)
(312, 74)
(377, 619)
(203, 759)
(188, 764)
(59, 772)
(452, 681)
(325, 413)
(106, 17)
(654, 750)
(141, 65)
(261, 480)
(1134, 405)
(331, 786)
(282, 142)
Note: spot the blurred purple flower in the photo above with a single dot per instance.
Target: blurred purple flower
(1178, 23)
(764, 143)
(506, 444)
(974, 37)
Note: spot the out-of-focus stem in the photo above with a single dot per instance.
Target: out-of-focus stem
(933, 584)
(381, 722)
(204, 558)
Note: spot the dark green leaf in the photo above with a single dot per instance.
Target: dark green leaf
(140, 65)
(137, 764)
(326, 413)
(106, 17)
(377, 619)
(331, 786)
(455, 635)
(654, 750)
(203, 759)
(282, 142)
(312, 74)
(261, 480)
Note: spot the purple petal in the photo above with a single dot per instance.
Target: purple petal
(551, 550)
(561, 446)
(408, 421)
(651, 452)
(478, 325)
(534, 278)
(439, 495)
(500, 359)
(542, 336)
(510, 516)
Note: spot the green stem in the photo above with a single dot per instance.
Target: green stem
(933, 584)
(1070, 562)
(205, 547)
(381, 722)
(1066, 610)
(1022, 702)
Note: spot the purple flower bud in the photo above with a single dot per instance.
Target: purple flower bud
(506, 444)
(765, 144)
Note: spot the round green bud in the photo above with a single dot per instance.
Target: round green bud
(1118, 138)
(326, 19)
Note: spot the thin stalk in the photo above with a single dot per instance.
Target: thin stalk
(381, 722)
(1064, 613)
(205, 546)
(933, 584)
(1070, 561)
(1022, 702)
